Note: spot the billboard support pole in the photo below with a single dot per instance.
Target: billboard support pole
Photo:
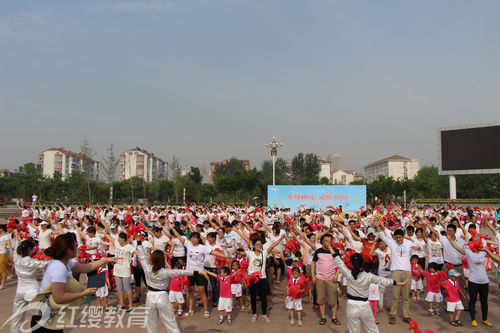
(453, 187)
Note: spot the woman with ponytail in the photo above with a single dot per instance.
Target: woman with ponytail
(157, 280)
(27, 284)
(358, 309)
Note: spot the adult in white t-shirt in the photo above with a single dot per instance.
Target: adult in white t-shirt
(434, 251)
(196, 253)
(478, 281)
(61, 269)
(44, 235)
(4, 256)
(122, 272)
(384, 269)
(257, 265)
(400, 269)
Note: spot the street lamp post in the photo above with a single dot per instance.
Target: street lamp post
(273, 146)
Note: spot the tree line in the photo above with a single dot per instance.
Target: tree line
(232, 184)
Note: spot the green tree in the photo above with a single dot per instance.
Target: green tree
(174, 167)
(297, 168)
(312, 166)
(110, 164)
(228, 168)
(324, 181)
(195, 175)
(29, 179)
(282, 171)
(305, 169)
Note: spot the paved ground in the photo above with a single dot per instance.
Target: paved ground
(279, 318)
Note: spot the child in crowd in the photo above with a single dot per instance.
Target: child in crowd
(416, 279)
(434, 296)
(453, 303)
(236, 286)
(374, 296)
(225, 305)
(102, 292)
(294, 296)
(175, 295)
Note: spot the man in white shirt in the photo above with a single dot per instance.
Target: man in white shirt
(400, 269)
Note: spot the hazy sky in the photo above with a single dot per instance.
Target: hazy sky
(210, 79)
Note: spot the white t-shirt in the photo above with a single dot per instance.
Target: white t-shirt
(161, 243)
(434, 252)
(92, 242)
(57, 272)
(44, 239)
(257, 262)
(421, 251)
(477, 269)
(210, 258)
(195, 256)
(400, 253)
(3, 243)
(384, 262)
(373, 294)
(451, 255)
(178, 250)
(124, 255)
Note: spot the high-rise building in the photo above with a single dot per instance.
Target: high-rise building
(397, 167)
(137, 162)
(213, 165)
(64, 162)
(336, 161)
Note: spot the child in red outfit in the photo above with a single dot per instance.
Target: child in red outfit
(417, 285)
(294, 296)
(434, 296)
(236, 287)
(175, 295)
(225, 296)
(454, 304)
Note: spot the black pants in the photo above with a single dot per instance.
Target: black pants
(259, 289)
(139, 276)
(482, 289)
(215, 285)
(421, 262)
(34, 321)
(175, 260)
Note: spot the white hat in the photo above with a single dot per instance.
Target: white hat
(43, 223)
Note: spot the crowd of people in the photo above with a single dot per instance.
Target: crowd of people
(233, 257)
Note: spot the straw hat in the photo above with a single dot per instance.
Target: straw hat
(63, 315)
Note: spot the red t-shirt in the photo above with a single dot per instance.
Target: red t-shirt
(225, 286)
(453, 289)
(236, 278)
(432, 284)
(367, 247)
(175, 284)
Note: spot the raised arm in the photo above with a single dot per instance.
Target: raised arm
(93, 265)
(175, 233)
(243, 236)
(495, 257)
(270, 249)
(459, 249)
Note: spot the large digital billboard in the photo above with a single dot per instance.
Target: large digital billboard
(469, 149)
(350, 197)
